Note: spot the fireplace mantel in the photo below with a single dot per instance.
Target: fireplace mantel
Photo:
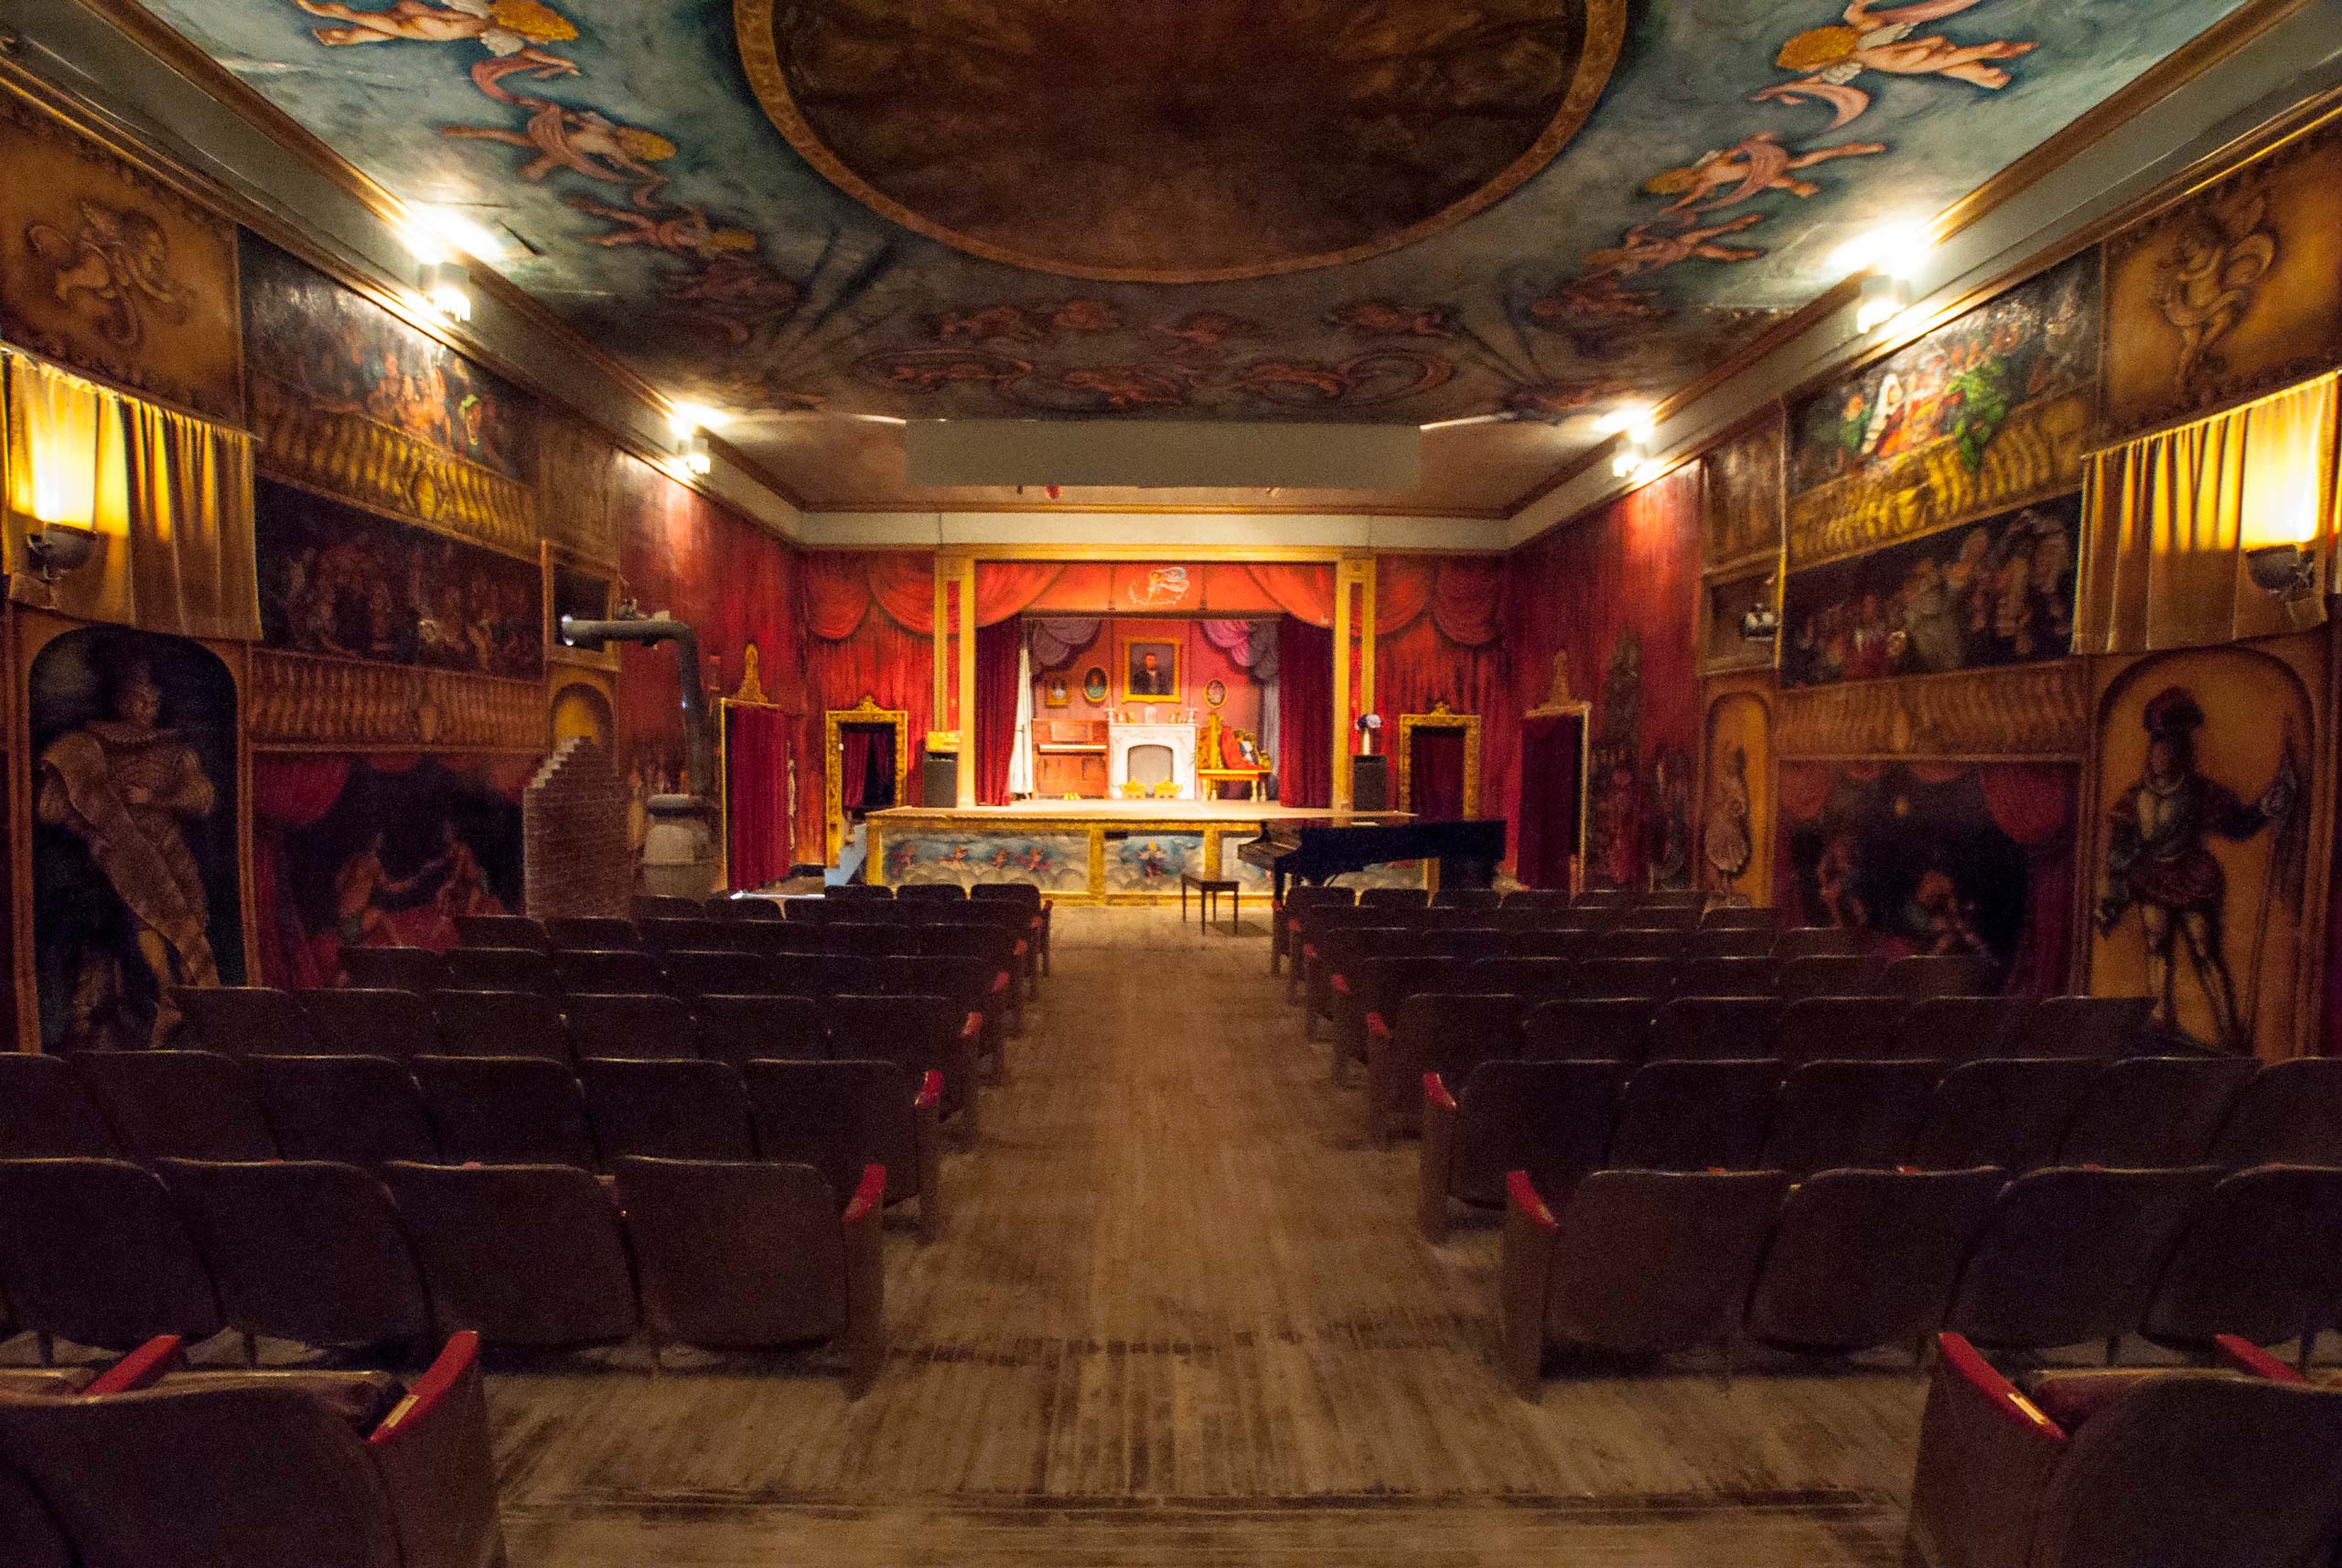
(1180, 738)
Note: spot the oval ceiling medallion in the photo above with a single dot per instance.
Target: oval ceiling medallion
(1179, 141)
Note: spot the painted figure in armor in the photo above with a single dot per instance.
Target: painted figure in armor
(2157, 861)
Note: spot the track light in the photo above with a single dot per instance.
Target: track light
(446, 286)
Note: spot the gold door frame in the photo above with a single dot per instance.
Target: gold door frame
(1584, 713)
(866, 712)
(1440, 718)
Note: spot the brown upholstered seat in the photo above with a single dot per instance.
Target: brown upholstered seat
(1831, 1114)
(634, 1025)
(500, 969)
(241, 1020)
(695, 972)
(1026, 898)
(2191, 1467)
(1607, 1028)
(1841, 975)
(591, 933)
(1286, 916)
(418, 970)
(1647, 978)
(304, 1250)
(1838, 1029)
(1865, 1258)
(95, 1251)
(697, 934)
(1939, 974)
(1376, 986)
(359, 1110)
(1463, 942)
(823, 974)
(1537, 899)
(1545, 941)
(744, 907)
(2103, 1027)
(502, 931)
(1817, 942)
(501, 1024)
(664, 907)
(841, 1116)
(1338, 947)
(1635, 1263)
(973, 985)
(2006, 1112)
(196, 1105)
(46, 1111)
(27, 1525)
(1478, 899)
(1438, 1032)
(367, 1021)
(863, 939)
(1312, 923)
(1393, 897)
(2260, 1258)
(1743, 918)
(846, 892)
(751, 1255)
(1958, 1028)
(262, 1471)
(1743, 975)
(737, 1030)
(945, 890)
(1551, 1118)
(1680, 919)
(2153, 1110)
(1533, 979)
(995, 944)
(1667, 945)
(683, 1110)
(920, 1035)
(1727, 941)
(522, 1254)
(2070, 1255)
(1703, 1025)
(509, 1110)
(2291, 1113)
(609, 971)
(1692, 1116)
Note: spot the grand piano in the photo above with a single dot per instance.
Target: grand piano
(1299, 849)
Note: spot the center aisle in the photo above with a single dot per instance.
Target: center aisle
(1174, 1285)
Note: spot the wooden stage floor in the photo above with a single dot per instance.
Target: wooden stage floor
(1180, 1315)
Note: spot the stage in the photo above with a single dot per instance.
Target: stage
(1095, 850)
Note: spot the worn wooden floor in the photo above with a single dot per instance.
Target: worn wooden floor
(1181, 1315)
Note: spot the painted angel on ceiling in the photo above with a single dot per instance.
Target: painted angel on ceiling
(1832, 58)
(1726, 176)
(512, 31)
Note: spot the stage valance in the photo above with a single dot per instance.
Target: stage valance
(169, 496)
(840, 589)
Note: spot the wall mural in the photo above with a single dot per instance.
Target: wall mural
(733, 198)
(1928, 858)
(1053, 862)
(104, 268)
(335, 580)
(134, 881)
(2235, 291)
(1742, 505)
(1737, 818)
(2000, 591)
(2202, 845)
(381, 850)
(1984, 412)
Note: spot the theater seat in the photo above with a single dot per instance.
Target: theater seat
(1958, 1028)
(1838, 1029)
(1432, 1033)
(1551, 1118)
(1704, 1026)
(920, 1035)
(517, 1110)
(1861, 1259)
(841, 1116)
(634, 1026)
(609, 971)
(1607, 1028)
(2153, 1110)
(240, 1020)
(367, 1021)
(1830, 975)
(96, 1252)
(591, 933)
(680, 1109)
(1694, 1116)
(2102, 1026)
(2001, 1111)
(2260, 1258)
(500, 969)
(46, 1111)
(758, 1255)
(260, 1471)
(1834, 1114)
(502, 931)
(2290, 1114)
(501, 1024)
(740, 1029)
(524, 1255)
(360, 1111)
(418, 970)
(195, 1105)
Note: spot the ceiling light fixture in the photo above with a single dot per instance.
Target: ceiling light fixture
(431, 233)
(1633, 420)
(1465, 420)
(1884, 297)
(446, 288)
(693, 450)
(685, 418)
(1897, 248)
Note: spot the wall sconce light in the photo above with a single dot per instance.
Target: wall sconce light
(59, 548)
(1884, 296)
(447, 286)
(2282, 571)
(696, 458)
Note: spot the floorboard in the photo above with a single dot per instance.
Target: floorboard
(1181, 1314)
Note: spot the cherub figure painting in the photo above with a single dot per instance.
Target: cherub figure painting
(1642, 250)
(1728, 176)
(583, 141)
(513, 31)
(116, 266)
(2207, 285)
(1830, 58)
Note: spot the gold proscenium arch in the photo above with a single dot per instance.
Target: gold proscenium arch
(833, 720)
(1440, 718)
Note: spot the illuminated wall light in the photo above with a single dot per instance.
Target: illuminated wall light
(447, 288)
(697, 461)
(1633, 420)
(1885, 299)
(685, 418)
(434, 232)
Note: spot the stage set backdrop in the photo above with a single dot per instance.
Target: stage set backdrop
(2026, 701)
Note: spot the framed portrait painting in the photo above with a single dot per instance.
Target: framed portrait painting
(1216, 692)
(1054, 692)
(1151, 671)
(1093, 685)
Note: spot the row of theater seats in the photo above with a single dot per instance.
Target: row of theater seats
(150, 1464)
(722, 1253)
(1643, 1261)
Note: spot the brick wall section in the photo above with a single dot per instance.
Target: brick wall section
(574, 858)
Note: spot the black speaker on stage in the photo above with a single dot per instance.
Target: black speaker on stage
(938, 779)
(1370, 783)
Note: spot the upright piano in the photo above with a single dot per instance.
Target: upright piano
(1303, 850)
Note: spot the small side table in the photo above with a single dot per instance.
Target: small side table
(1207, 892)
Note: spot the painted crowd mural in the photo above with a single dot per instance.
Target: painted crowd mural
(1999, 591)
(1742, 505)
(335, 580)
(135, 852)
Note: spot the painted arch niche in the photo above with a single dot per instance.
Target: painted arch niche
(2199, 846)
(134, 849)
(1737, 818)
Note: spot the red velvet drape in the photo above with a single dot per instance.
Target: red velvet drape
(1435, 774)
(997, 646)
(756, 796)
(859, 645)
(2035, 806)
(1546, 815)
(1007, 588)
(288, 793)
(853, 764)
(1303, 592)
(1305, 714)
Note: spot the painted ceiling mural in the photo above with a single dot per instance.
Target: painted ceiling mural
(1379, 209)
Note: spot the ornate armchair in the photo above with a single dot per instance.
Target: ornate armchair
(1229, 755)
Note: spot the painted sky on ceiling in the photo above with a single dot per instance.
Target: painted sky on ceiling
(1733, 147)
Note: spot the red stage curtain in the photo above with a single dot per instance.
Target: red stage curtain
(756, 797)
(1467, 600)
(1435, 774)
(288, 793)
(1006, 588)
(1305, 714)
(1546, 832)
(997, 646)
(1303, 592)
(853, 764)
(904, 585)
(837, 595)
(1403, 590)
(2035, 806)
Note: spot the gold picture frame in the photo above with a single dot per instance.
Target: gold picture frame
(1141, 686)
(1440, 718)
(833, 720)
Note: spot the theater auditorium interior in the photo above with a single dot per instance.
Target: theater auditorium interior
(1663, 670)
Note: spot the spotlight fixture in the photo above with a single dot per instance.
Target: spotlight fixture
(1884, 296)
(446, 286)
(1760, 625)
(696, 458)
(2282, 571)
(58, 548)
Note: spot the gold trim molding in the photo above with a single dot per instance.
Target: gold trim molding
(303, 702)
(2032, 711)
(1440, 718)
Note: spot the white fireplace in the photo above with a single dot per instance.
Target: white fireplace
(1148, 752)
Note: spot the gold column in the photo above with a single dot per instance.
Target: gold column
(1353, 616)
(966, 571)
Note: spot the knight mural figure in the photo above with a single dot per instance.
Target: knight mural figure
(2158, 862)
(123, 785)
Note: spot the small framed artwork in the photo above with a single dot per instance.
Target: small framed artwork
(1093, 684)
(1215, 692)
(1054, 692)
(1150, 672)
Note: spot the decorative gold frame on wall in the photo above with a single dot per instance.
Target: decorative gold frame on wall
(1440, 718)
(866, 712)
(751, 694)
(2022, 712)
(1582, 711)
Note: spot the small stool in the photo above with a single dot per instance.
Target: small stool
(1207, 892)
